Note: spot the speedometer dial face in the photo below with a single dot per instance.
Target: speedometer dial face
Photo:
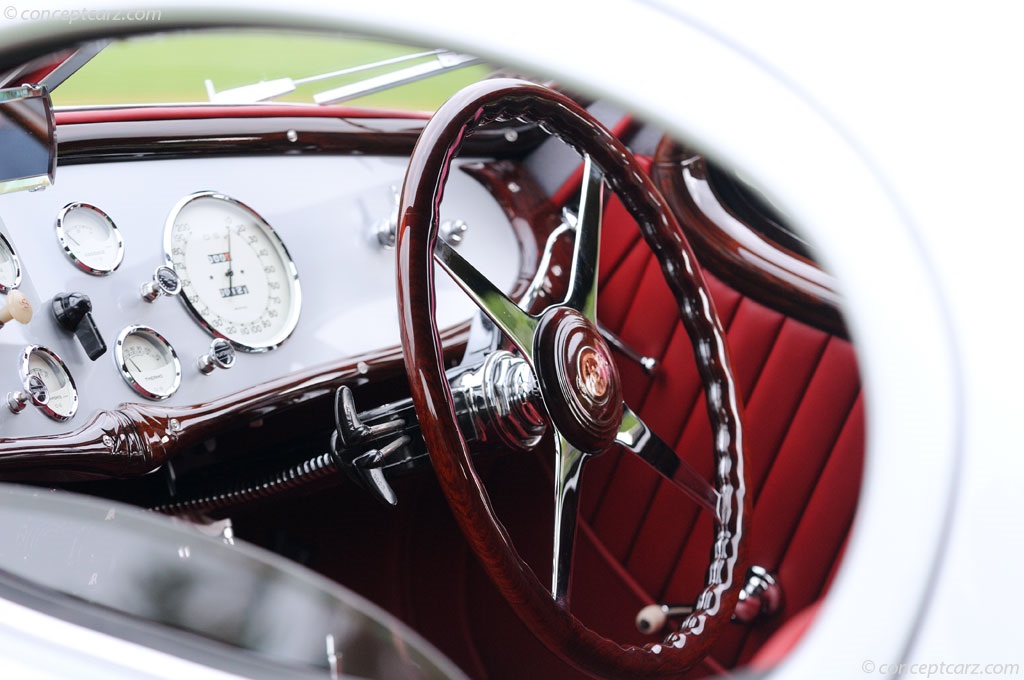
(236, 275)
(62, 402)
(147, 362)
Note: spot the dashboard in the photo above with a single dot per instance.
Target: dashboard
(306, 225)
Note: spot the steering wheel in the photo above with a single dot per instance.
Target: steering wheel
(578, 381)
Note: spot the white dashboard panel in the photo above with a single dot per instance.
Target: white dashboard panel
(323, 207)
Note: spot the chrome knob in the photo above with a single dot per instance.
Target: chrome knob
(33, 391)
(387, 229)
(221, 355)
(760, 596)
(454, 231)
(165, 282)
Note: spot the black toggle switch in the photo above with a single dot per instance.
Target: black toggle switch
(73, 312)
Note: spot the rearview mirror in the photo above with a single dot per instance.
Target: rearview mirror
(28, 145)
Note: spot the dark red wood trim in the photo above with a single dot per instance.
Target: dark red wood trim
(740, 256)
(625, 128)
(441, 140)
(126, 114)
(136, 439)
(194, 134)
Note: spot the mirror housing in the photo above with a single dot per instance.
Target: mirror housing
(28, 141)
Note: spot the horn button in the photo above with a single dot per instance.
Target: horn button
(578, 379)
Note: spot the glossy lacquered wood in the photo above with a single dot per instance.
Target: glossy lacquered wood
(588, 418)
(136, 439)
(441, 140)
(180, 136)
(752, 264)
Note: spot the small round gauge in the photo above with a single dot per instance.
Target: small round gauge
(10, 266)
(60, 386)
(90, 238)
(147, 362)
(237, 277)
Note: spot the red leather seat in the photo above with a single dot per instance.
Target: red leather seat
(640, 540)
(804, 432)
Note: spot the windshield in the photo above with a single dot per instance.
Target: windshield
(175, 68)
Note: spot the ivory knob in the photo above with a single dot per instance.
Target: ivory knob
(17, 307)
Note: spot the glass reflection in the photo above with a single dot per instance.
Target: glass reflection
(27, 146)
(167, 572)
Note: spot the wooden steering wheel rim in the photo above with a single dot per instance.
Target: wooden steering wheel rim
(556, 627)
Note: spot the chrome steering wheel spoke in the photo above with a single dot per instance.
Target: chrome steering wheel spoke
(636, 436)
(582, 295)
(518, 325)
(568, 469)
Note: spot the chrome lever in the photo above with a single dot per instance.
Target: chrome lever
(370, 478)
(352, 431)
(494, 399)
(761, 596)
(380, 458)
(369, 468)
(648, 364)
(352, 443)
(654, 617)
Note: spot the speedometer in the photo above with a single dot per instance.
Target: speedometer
(237, 277)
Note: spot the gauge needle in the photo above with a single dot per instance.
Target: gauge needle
(231, 265)
(135, 364)
(72, 238)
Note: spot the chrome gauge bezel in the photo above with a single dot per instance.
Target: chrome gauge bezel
(69, 249)
(5, 244)
(292, 319)
(126, 374)
(58, 364)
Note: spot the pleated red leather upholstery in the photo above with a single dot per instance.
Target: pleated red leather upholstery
(804, 433)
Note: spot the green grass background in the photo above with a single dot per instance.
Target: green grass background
(173, 68)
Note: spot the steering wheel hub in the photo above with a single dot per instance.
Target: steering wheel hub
(579, 381)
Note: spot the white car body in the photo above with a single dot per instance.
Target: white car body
(892, 134)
